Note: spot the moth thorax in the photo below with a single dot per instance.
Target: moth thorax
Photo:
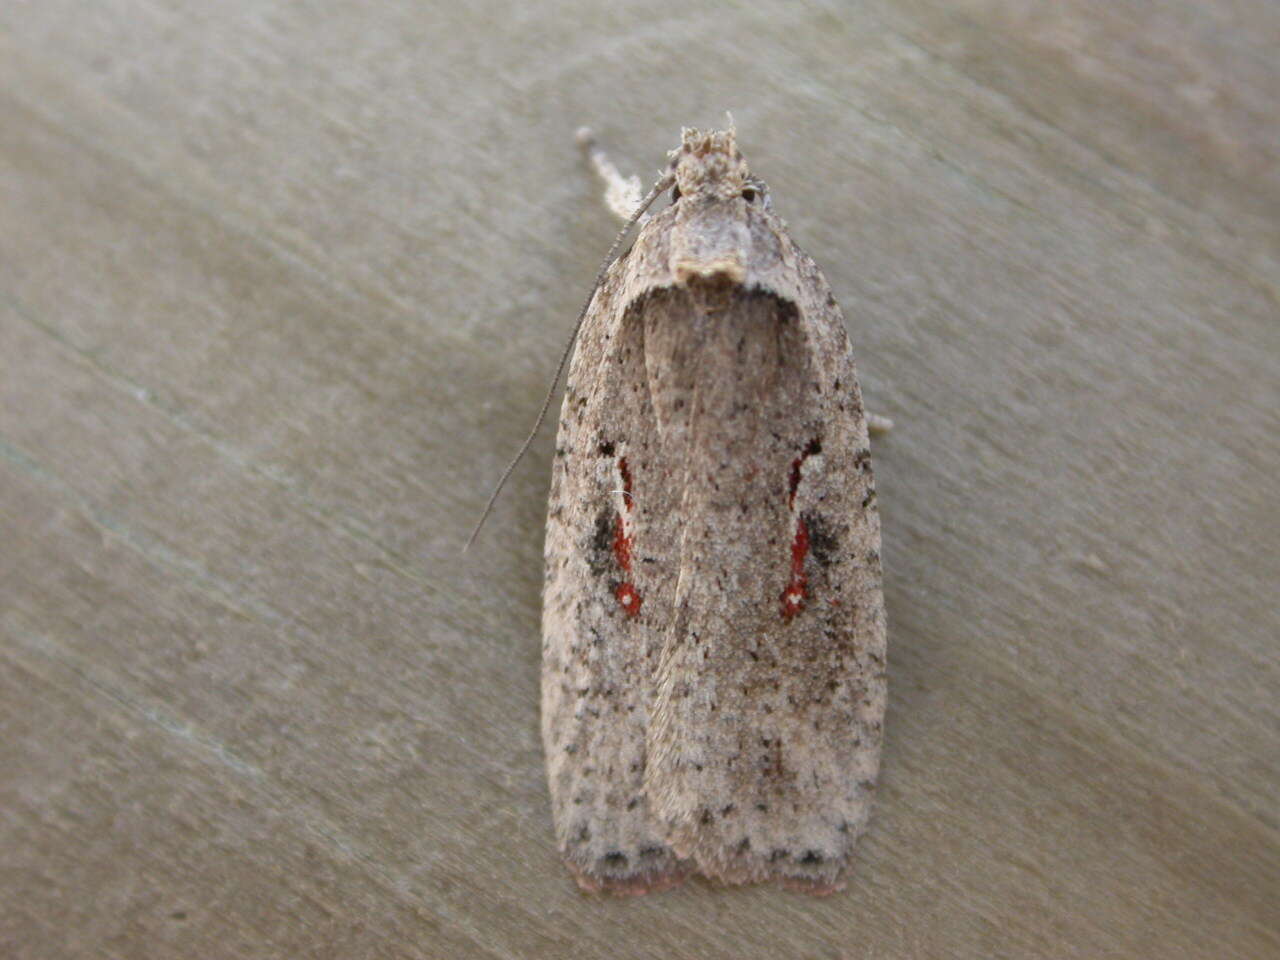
(709, 242)
(709, 164)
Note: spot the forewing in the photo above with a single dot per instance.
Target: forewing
(763, 744)
(608, 597)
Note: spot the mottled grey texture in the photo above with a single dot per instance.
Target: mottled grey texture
(713, 625)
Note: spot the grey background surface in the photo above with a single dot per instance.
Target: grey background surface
(281, 287)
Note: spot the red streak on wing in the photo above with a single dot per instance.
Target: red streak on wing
(621, 545)
(794, 596)
(799, 550)
(627, 595)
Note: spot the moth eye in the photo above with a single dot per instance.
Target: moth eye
(675, 194)
(749, 195)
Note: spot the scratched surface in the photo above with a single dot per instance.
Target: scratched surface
(281, 286)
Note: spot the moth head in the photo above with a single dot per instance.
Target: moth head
(710, 166)
(711, 235)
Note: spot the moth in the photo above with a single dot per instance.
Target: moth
(713, 682)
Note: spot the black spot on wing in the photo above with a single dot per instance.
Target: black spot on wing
(600, 557)
(824, 538)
